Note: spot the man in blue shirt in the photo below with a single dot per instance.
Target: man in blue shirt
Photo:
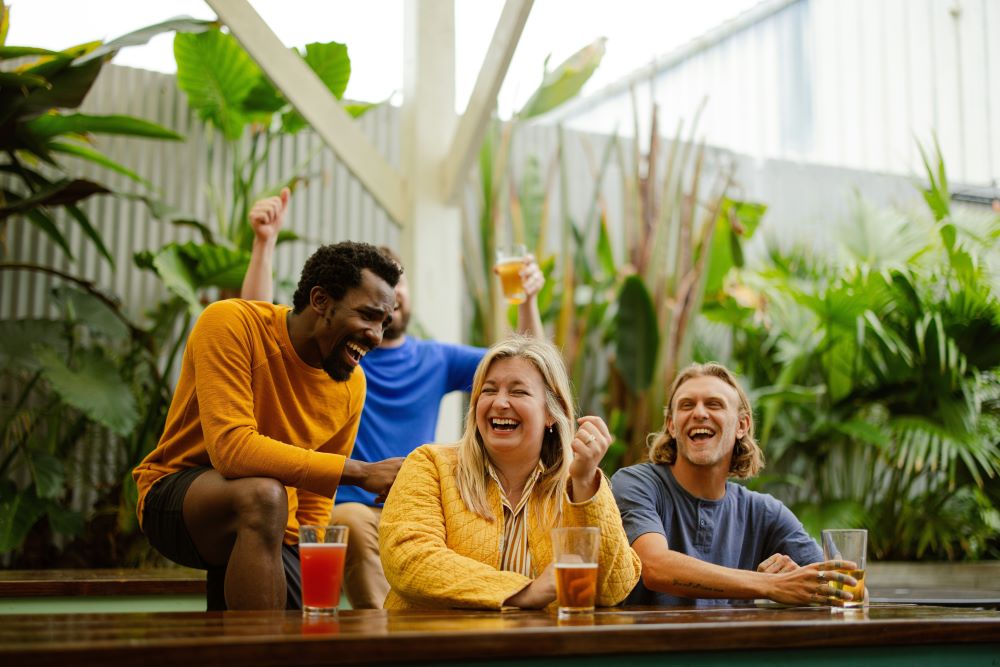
(407, 378)
(702, 539)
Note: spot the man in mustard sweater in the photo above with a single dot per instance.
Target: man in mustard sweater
(260, 430)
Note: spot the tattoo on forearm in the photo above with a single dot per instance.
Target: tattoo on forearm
(695, 586)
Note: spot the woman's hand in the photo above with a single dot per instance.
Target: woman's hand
(589, 445)
(538, 594)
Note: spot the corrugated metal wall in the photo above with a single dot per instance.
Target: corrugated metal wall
(332, 206)
(850, 83)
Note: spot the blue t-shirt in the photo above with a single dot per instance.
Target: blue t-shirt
(405, 388)
(739, 530)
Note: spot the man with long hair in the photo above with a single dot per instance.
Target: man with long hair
(703, 539)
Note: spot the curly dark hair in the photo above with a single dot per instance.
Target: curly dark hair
(337, 268)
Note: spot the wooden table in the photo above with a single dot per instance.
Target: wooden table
(885, 635)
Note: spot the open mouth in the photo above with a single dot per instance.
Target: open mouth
(355, 351)
(504, 424)
(700, 434)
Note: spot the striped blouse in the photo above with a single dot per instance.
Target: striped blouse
(514, 554)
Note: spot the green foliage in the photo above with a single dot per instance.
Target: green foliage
(88, 371)
(620, 310)
(878, 376)
(34, 128)
(232, 95)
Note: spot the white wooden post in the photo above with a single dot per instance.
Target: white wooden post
(431, 237)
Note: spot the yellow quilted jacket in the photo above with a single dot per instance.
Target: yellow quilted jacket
(438, 554)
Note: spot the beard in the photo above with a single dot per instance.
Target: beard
(397, 327)
(335, 366)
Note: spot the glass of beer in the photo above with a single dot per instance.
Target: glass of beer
(849, 545)
(510, 261)
(574, 551)
(321, 554)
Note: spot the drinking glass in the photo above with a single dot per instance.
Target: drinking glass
(574, 551)
(321, 553)
(510, 261)
(849, 545)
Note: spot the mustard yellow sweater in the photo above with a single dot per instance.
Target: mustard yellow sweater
(437, 553)
(248, 406)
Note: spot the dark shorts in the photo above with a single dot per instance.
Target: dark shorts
(163, 525)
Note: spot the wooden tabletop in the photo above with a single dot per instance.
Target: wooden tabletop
(244, 639)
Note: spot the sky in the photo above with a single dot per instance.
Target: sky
(636, 32)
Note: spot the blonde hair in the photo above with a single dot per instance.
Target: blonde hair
(472, 474)
(748, 459)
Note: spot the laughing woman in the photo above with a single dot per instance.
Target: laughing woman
(468, 524)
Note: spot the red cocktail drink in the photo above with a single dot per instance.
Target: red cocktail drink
(321, 554)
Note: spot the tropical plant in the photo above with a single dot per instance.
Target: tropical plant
(878, 377)
(631, 303)
(85, 371)
(231, 94)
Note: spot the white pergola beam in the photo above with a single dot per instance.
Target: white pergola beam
(316, 103)
(473, 124)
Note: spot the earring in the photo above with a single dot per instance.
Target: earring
(550, 429)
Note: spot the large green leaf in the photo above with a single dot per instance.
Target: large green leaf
(90, 231)
(19, 511)
(91, 155)
(96, 315)
(177, 275)
(564, 82)
(25, 81)
(215, 265)
(64, 520)
(10, 52)
(333, 66)
(216, 74)
(141, 36)
(47, 472)
(43, 221)
(734, 225)
(51, 125)
(59, 193)
(331, 63)
(67, 88)
(19, 337)
(638, 336)
(95, 387)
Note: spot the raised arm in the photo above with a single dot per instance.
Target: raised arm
(529, 319)
(669, 571)
(267, 216)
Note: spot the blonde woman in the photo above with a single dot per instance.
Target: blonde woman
(468, 524)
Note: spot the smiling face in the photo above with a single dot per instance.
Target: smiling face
(353, 325)
(510, 411)
(706, 422)
(401, 313)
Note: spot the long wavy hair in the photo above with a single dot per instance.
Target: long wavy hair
(473, 476)
(748, 459)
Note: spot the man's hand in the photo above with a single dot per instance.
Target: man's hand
(811, 584)
(539, 593)
(589, 445)
(267, 216)
(776, 564)
(532, 277)
(376, 477)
